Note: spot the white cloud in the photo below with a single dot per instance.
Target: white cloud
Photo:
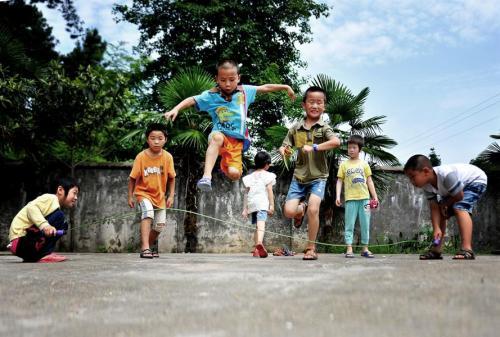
(95, 14)
(381, 31)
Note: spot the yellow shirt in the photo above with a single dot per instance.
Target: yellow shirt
(354, 173)
(33, 213)
(151, 174)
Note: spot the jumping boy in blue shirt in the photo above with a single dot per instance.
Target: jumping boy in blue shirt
(227, 104)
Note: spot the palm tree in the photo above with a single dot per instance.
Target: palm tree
(345, 113)
(489, 161)
(188, 138)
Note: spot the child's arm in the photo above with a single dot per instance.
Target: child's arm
(171, 192)
(35, 216)
(435, 218)
(276, 87)
(325, 146)
(186, 103)
(131, 186)
(371, 188)
(245, 203)
(338, 189)
(270, 196)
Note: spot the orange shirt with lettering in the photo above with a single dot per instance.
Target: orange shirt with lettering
(151, 175)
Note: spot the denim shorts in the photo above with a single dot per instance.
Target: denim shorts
(472, 193)
(259, 216)
(299, 191)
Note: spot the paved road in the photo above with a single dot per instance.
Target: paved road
(237, 295)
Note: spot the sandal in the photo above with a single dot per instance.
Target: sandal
(310, 254)
(298, 219)
(349, 255)
(283, 251)
(261, 250)
(431, 255)
(204, 184)
(367, 254)
(146, 254)
(464, 254)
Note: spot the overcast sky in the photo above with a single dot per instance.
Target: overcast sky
(433, 67)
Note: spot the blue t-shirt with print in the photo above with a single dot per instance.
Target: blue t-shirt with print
(227, 117)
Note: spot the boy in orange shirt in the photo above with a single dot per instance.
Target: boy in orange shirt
(152, 172)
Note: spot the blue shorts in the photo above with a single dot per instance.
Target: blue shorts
(472, 193)
(259, 216)
(299, 191)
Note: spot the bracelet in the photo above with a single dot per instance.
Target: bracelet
(315, 147)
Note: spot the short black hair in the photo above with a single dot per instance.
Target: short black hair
(156, 127)
(262, 158)
(417, 163)
(313, 89)
(225, 63)
(356, 139)
(66, 183)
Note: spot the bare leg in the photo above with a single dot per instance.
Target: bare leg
(291, 208)
(145, 232)
(313, 220)
(259, 232)
(216, 142)
(465, 227)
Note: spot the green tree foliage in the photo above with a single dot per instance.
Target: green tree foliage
(89, 53)
(26, 41)
(255, 33)
(434, 157)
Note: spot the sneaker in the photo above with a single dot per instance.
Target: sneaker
(51, 258)
(204, 184)
(261, 250)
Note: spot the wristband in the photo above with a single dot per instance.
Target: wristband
(315, 147)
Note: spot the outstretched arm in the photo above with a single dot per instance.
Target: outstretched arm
(172, 114)
(276, 87)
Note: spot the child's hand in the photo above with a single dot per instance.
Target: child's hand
(338, 202)
(131, 202)
(172, 114)
(170, 201)
(244, 213)
(270, 211)
(307, 148)
(291, 93)
(49, 231)
(437, 234)
(286, 151)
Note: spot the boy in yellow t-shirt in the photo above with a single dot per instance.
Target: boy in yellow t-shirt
(355, 175)
(152, 172)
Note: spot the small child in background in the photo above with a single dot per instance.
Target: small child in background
(259, 199)
(355, 174)
(452, 190)
(33, 231)
(152, 172)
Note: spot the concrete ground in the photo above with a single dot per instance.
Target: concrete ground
(237, 295)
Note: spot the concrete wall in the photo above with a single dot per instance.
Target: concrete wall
(104, 222)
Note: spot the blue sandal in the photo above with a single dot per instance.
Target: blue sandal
(204, 184)
(367, 254)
